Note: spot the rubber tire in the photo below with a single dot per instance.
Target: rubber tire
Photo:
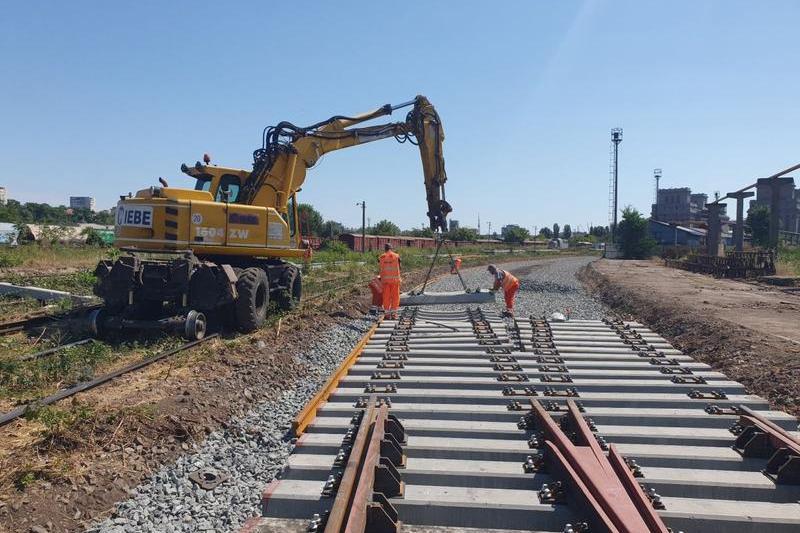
(253, 301)
(195, 327)
(290, 298)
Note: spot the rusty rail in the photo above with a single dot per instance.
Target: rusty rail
(733, 265)
(39, 318)
(344, 496)
(309, 412)
(86, 385)
(758, 437)
(371, 476)
(603, 486)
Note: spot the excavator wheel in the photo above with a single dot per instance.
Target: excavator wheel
(253, 300)
(290, 297)
(195, 327)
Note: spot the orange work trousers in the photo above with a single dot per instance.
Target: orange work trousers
(509, 294)
(391, 297)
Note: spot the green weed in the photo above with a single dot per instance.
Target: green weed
(789, 261)
(60, 424)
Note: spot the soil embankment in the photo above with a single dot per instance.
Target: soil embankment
(745, 330)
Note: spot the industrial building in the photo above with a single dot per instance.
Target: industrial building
(81, 202)
(666, 234)
(679, 206)
(789, 202)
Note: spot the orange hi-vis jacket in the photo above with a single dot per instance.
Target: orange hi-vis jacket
(390, 267)
(509, 281)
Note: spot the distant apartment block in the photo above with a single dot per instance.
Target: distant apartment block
(788, 202)
(453, 224)
(81, 202)
(3, 196)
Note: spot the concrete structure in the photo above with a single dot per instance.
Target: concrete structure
(714, 237)
(81, 202)
(788, 200)
(39, 293)
(64, 234)
(3, 196)
(453, 224)
(738, 230)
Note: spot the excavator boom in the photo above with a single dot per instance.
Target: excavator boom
(279, 166)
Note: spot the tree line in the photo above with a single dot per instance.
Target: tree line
(41, 213)
(312, 223)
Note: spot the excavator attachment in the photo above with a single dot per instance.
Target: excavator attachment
(478, 296)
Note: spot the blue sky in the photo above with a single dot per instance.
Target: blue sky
(101, 98)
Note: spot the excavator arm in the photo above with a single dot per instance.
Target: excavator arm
(279, 166)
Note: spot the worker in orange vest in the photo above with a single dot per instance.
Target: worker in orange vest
(510, 285)
(455, 266)
(376, 288)
(389, 263)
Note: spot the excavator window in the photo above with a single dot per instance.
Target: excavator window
(203, 183)
(231, 184)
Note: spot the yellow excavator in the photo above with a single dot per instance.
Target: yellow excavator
(225, 248)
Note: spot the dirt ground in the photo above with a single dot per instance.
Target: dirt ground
(62, 479)
(747, 330)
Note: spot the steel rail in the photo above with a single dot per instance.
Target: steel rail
(86, 385)
(50, 351)
(14, 326)
(365, 513)
(758, 437)
(309, 412)
(617, 504)
(340, 511)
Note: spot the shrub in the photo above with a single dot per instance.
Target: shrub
(758, 221)
(634, 235)
(335, 247)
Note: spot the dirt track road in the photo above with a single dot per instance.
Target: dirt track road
(745, 304)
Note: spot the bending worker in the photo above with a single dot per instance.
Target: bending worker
(389, 263)
(510, 285)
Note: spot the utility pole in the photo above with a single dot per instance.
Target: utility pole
(657, 176)
(363, 206)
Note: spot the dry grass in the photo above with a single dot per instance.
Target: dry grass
(788, 262)
(51, 258)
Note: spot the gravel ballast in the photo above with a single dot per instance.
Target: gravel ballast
(251, 451)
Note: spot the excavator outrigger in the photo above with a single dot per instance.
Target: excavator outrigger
(225, 247)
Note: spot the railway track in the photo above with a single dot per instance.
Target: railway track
(459, 421)
(82, 386)
(41, 319)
